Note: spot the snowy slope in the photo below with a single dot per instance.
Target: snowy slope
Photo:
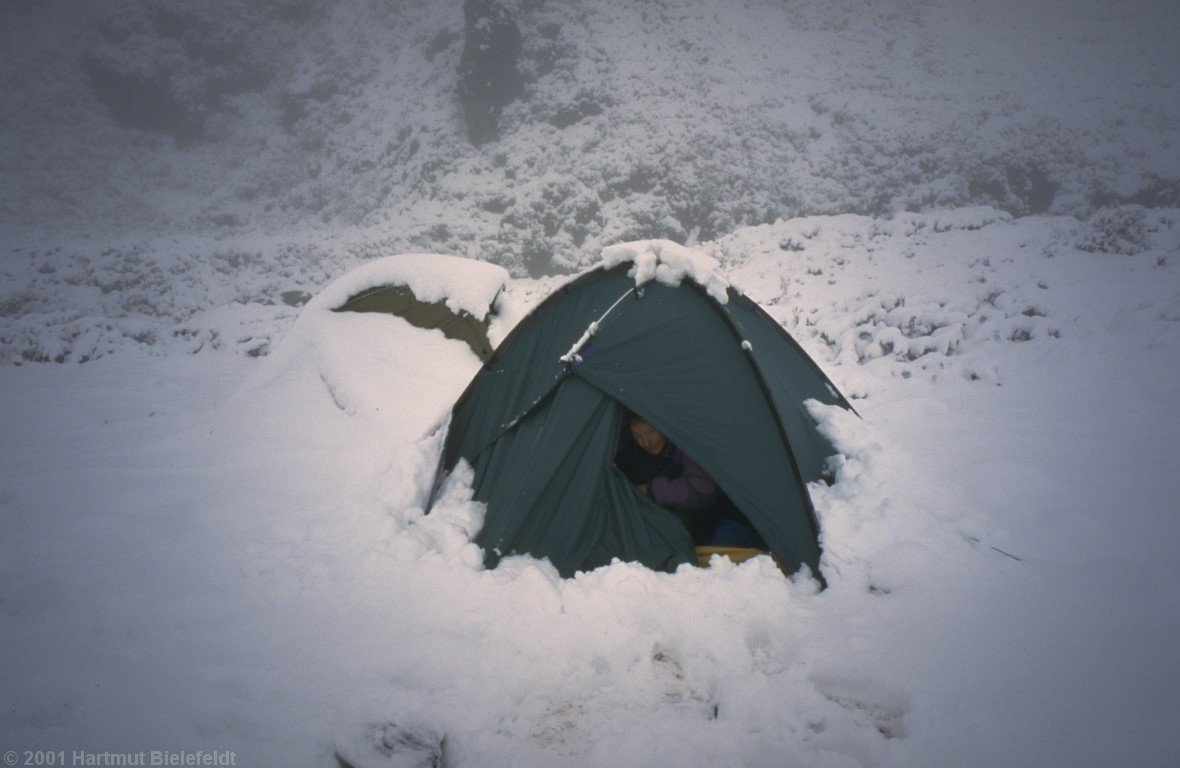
(170, 170)
(219, 552)
(670, 119)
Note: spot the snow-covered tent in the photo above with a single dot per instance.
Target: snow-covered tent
(399, 369)
(453, 294)
(657, 331)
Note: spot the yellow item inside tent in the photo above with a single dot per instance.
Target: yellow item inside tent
(736, 554)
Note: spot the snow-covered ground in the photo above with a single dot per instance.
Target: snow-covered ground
(224, 552)
(212, 532)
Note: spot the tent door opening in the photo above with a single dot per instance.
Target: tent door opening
(664, 473)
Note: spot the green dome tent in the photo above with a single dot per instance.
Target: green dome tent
(719, 377)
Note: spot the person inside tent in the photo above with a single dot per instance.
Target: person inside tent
(672, 479)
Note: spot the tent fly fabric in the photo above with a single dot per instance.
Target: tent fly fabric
(454, 295)
(541, 421)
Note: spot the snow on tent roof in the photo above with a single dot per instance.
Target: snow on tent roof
(453, 294)
(667, 262)
(462, 284)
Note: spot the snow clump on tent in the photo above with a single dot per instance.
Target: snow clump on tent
(465, 285)
(669, 263)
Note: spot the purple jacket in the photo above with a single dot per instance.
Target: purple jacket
(693, 489)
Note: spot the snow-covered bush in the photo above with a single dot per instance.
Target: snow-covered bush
(1121, 229)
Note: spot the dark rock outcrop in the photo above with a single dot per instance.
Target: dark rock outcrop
(488, 76)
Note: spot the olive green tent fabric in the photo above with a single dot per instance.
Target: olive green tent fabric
(721, 381)
(400, 300)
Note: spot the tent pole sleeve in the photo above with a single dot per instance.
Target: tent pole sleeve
(592, 329)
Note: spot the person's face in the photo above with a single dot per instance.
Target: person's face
(648, 437)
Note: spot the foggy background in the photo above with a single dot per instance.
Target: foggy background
(162, 160)
(579, 124)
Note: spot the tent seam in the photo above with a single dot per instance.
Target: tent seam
(731, 324)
